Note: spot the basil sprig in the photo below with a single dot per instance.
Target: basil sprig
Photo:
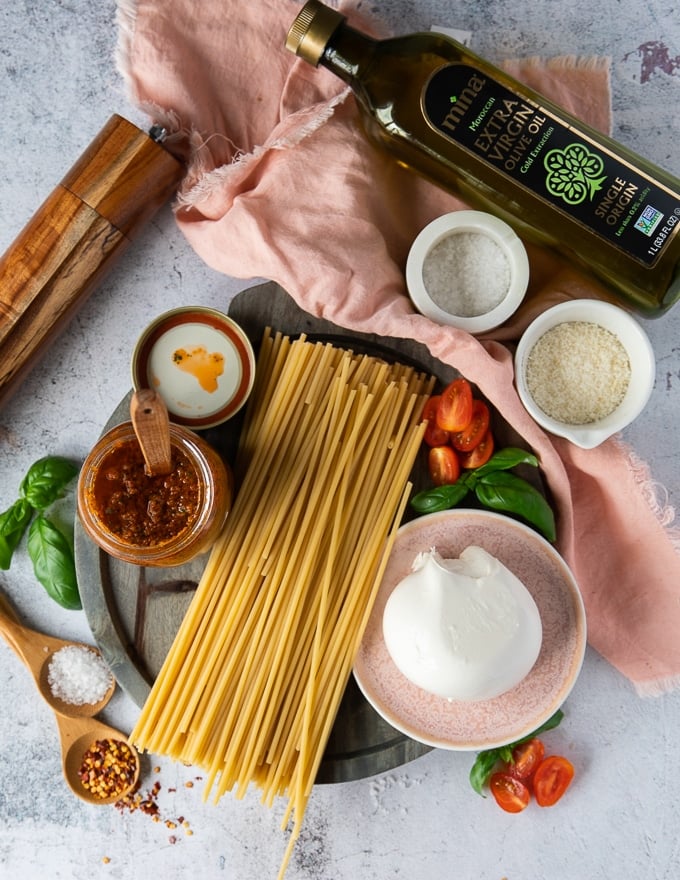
(486, 761)
(46, 481)
(496, 489)
(49, 548)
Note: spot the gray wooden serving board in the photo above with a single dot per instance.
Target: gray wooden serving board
(135, 612)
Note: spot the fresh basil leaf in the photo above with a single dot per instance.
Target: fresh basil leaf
(13, 524)
(485, 761)
(53, 562)
(482, 769)
(505, 459)
(504, 491)
(439, 498)
(46, 479)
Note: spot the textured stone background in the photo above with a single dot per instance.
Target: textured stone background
(58, 85)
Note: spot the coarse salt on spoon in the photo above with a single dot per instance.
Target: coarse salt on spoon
(37, 651)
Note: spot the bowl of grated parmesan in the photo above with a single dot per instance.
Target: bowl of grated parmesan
(584, 369)
(467, 269)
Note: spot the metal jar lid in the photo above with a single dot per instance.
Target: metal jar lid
(311, 30)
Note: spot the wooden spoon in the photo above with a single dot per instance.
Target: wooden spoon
(78, 736)
(78, 731)
(36, 650)
(151, 422)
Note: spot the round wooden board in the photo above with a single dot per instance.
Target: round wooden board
(135, 612)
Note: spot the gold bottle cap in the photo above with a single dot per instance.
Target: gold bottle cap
(311, 30)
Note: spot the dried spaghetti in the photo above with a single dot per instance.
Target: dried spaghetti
(254, 678)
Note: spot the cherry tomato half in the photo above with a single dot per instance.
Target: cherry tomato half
(443, 465)
(472, 435)
(525, 759)
(511, 794)
(480, 454)
(551, 779)
(434, 435)
(455, 406)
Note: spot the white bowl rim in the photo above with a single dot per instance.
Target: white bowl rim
(640, 354)
(482, 223)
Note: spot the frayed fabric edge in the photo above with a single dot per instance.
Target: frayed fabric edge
(654, 492)
(126, 22)
(658, 687)
(206, 181)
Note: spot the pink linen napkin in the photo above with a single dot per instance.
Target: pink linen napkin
(282, 184)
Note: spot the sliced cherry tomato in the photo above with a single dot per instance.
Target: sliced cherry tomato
(443, 465)
(480, 454)
(526, 758)
(511, 794)
(472, 435)
(551, 779)
(455, 406)
(434, 435)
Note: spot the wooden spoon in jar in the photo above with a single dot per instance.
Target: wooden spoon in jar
(78, 731)
(151, 423)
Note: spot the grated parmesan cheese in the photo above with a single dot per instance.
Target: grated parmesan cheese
(578, 372)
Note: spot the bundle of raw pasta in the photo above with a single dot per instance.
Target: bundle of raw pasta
(253, 681)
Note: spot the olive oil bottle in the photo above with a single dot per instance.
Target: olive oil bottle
(472, 129)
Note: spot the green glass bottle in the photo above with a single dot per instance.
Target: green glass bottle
(472, 129)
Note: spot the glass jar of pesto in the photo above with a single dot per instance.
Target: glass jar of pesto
(153, 520)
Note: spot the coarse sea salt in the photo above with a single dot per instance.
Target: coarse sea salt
(467, 274)
(78, 675)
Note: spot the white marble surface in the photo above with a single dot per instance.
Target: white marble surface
(58, 85)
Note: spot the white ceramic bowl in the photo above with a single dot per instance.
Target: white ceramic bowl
(640, 356)
(482, 224)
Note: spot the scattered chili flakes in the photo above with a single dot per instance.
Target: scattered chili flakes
(147, 803)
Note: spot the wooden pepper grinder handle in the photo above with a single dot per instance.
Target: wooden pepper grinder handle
(71, 242)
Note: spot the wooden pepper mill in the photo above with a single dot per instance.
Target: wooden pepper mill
(71, 242)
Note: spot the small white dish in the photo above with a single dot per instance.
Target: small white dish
(200, 362)
(485, 281)
(640, 357)
(472, 726)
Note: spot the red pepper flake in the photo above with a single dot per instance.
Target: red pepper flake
(147, 803)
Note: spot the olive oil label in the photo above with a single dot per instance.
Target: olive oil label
(560, 165)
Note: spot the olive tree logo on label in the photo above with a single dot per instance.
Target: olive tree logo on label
(574, 173)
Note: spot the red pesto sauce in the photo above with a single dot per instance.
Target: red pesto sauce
(140, 509)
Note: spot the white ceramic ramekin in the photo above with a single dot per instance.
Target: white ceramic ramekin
(640, 356)
(482, 224)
